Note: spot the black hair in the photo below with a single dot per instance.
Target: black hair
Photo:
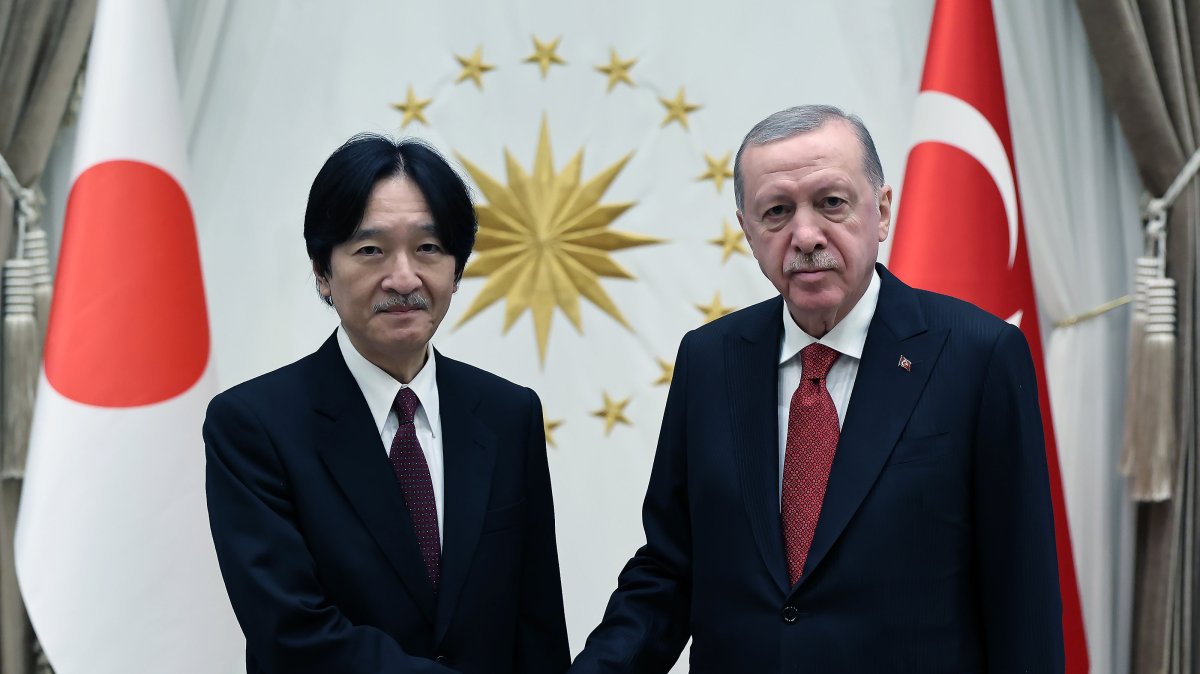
(339, 195)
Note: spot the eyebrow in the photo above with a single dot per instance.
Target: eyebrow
(369, 232)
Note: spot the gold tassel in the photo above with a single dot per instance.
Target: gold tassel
(37, 251)
(20, 366)
(1154, 478)
(1145, 269)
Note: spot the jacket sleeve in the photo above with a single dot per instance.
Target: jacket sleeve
(1018, 590)
(290, 625)
(645, 626)
(541, 642)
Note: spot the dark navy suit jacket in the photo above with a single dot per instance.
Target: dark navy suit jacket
(934, 552)
(317, 548)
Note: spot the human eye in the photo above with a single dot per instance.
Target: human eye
(430, 248)
(776, 212)
(833, 202)
(368, 250)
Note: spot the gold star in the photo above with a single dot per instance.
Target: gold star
(678, 109)
(548, 426)
(730, 241)
(473, 68)
(718, 170)
(544, 54)
(413, 108)
(715, 310)
(668, 372)
(544, 240)
(617, 70)
(613, 413)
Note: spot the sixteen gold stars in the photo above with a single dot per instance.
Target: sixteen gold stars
(715, 309)
(718, 170)
(678, 109)
(413, 108)
(613, 413)
(617, 70)
(545, 54)
(473, 67)
(730, 241)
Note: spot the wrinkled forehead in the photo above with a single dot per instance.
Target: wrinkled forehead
(832, 145)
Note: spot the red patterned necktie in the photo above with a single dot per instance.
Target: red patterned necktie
(412, 472)
(812, 438)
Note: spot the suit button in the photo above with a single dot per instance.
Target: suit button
(790, 614)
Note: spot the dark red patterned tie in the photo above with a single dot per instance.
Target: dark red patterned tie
(812, 439)
(412, 472)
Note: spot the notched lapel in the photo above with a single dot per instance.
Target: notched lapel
(885, 393)
(752, 399)
(350, 449)
(469, 451)
(352, 453)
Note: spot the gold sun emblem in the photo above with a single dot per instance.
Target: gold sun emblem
(544, 240)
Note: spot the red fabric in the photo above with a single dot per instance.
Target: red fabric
(953, 235)
(812, 439)
(412, 472)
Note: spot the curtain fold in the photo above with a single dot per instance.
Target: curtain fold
(1147, 53)
(42, 44)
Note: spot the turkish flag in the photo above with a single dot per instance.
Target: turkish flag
(959, 231)
(113, 552)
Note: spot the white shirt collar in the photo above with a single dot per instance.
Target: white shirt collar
(380, 388)
(847, 337)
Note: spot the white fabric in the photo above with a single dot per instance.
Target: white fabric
(380, 390)
(1079, 193)
(280, 84)
(113, 551)
(847, 338)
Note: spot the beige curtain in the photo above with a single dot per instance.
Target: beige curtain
(1148, 53)
(42, 44)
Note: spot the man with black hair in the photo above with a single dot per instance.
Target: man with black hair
(376, 506)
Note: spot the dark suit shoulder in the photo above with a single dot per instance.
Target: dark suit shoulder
(479, 376)
(966, 319)
(750, 321)
(281, 383)
(455, 375)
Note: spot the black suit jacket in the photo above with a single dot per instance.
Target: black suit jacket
(317, 548)
(934, 551)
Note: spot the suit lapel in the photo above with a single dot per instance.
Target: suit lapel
(882, 401)
(469, 451)
(350, 448)
(749, 354)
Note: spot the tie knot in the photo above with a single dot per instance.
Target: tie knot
(816, 359)
(406, 405)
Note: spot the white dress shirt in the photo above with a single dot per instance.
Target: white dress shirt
(847, 338)
(380, 390)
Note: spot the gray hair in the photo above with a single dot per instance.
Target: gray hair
(803, 119)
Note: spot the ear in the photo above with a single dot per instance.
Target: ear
(885, 212)
(745, 230)
(322, 282)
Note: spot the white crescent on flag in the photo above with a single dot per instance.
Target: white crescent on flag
(942, 118)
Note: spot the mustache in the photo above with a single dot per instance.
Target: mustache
(411, 300)
(818, 260)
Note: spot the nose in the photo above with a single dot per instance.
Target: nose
(807, 230)
(401, 276)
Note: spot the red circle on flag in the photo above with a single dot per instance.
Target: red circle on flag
(128, 322)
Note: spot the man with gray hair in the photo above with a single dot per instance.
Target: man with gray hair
(850, 476)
